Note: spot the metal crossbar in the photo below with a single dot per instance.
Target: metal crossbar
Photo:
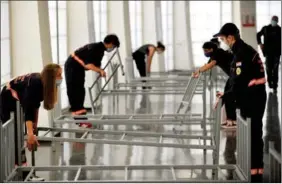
(274, 164)
(135, 119)
(128, 169)
(125, 138)
(244, 145)
(114, 69)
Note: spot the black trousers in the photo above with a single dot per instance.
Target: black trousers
(272, 66)
(75, 79)
(9, 104)
(229, 101)
(252, 104)
(139, 59)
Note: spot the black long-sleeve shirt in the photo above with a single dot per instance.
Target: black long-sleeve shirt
(92, 53)
(245, 67)
(29, 89)
(223, 59)
(272, 40)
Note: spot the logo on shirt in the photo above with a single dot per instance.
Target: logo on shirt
(238, 64)
(238, 71)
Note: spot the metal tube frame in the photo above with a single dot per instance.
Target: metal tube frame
(274, 164)
(92, 99)
(244, 145)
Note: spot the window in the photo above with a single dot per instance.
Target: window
(59, 38)
(167, 28)
(205, 23)
(264, 11)
(5, 43)
(100, 19)
(135, 17)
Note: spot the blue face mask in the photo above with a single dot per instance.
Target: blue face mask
(208, 54)
(58, 82)
(273, 23)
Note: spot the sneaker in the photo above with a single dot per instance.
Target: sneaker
(229, 125)
(35, 178)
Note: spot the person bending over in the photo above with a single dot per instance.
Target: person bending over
(222, 59)
(146, 51)
(88, 57)
(30, 90)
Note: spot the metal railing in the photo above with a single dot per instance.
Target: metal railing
(114, 68)
(274, 164)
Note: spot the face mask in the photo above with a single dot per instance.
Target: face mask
(224, 46)
(208, 54)
(273, 23)
(58, 82)
(110, 49)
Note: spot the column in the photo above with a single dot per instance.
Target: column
(78, 34)
(30, 41)
(118, 23)
(159, 31)
(150, 29)
(244, 16)
(182, 36)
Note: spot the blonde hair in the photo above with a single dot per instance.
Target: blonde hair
(48, 77)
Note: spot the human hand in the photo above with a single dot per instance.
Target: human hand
(32, 142)
(219, 94)
(102, 73)
(196, 74)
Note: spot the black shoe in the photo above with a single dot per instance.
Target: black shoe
(258, 178)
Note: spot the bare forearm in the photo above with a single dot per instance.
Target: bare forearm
(149, 62)
(92, 67)
(207, 66)
(29, 127)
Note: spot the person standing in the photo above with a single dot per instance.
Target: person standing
(271, 49)
(248, 86)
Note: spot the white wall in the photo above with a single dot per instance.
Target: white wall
(182, 60)
(149, 29)
(30, 41)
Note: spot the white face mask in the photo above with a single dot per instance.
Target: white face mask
(274, 23)
(110, 49)
(224, 46)
(58, 82)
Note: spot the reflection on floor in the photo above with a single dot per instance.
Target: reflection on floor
(95, 154)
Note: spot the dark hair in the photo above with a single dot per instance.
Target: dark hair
(112, 39)
(160, 45)
(215, 41)
(210, 45)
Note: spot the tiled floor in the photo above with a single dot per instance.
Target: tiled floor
(94, 154)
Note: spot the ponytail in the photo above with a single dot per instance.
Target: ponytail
(160, 45)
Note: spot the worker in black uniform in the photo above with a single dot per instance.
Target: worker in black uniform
(222, 59)
(271, 49)
(30, 90)
(148, 51)
(248, 85)
(88, 57)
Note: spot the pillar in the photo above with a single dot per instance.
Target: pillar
(149, 29)
(182, 36)
(78, 35)
(118, 23)
(159, 32)
(30, 41)
(244, 16)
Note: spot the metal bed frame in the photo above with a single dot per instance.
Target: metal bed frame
(12, 173)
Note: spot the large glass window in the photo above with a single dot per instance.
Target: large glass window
(206, 22)
(100, 19)
(167, 27)
(135, 15)
(264, 11)
(5, 43)
(57, 9)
